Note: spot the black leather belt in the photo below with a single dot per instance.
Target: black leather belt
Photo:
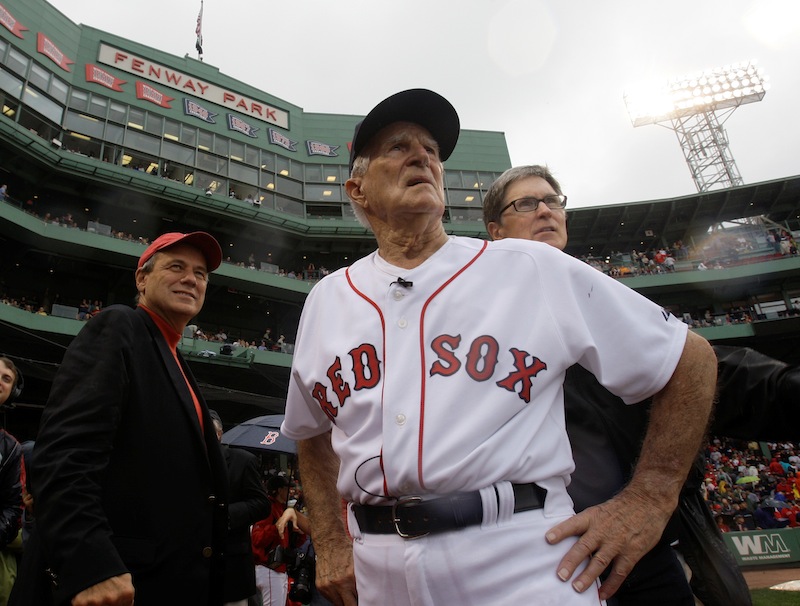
(411, 517)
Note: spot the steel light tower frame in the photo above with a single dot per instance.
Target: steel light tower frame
(696, 106)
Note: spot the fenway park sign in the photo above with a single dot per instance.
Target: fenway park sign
(191, 85)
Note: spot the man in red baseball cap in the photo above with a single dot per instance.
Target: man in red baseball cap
(128, 477)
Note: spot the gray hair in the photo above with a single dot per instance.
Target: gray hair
(493, 201)
(147, 267)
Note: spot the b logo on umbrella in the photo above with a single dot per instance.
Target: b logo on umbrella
(270, 438)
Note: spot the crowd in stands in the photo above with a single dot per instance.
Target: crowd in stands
(266, 343)
(748, 488)
(718, 252)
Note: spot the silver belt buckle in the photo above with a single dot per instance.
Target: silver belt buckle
(402, 502)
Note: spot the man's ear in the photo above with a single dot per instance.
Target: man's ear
(494, 230)
(353, 188)
(140, 278)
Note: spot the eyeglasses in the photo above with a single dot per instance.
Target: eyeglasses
(530, 204)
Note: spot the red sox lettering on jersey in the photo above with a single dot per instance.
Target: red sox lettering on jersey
(480, 364)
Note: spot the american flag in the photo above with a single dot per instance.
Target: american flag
(199, 31)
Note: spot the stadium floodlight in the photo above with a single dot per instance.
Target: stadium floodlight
(695, 106)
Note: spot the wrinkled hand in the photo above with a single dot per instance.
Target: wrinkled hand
(289, 516)
(116, 591)
(619, 532)
(336, 578)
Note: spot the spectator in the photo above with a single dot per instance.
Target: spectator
(129, 480)
(270, 543)
(247, 504)
(12, 477)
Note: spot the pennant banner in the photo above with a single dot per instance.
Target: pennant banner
(282, 140)
(317, 148)
(10, 23)
(100, 76)
(239, 125)
(193, 108)
(148, 93)
(45, 46)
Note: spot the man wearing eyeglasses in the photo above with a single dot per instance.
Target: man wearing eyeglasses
(426, 390)
(526, 202)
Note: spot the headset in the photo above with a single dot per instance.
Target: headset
(19, 384)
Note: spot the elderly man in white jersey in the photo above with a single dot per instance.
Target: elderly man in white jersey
(426, 391)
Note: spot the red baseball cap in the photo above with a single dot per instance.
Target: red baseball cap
(205, 243)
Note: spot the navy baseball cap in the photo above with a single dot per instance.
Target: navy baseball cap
(417, 105)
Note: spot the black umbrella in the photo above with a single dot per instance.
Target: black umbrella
(261, 433)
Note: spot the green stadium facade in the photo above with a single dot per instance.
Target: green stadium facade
(106, 143)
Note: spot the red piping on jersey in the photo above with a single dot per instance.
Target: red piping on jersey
(383, 331)
(422, 356)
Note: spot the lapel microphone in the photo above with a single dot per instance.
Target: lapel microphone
(403, 283)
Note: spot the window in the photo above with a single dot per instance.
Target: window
(331, 174)
(10, 84)
(291, 207)
(324, 193)
(313, 173)
(267, 180)
(222, 145)
(466, 215)
(98, 106)
(17, 62)
(485, 180)
(205, 140)
(114, 133)
(118, 112)
(48, 108)
(39, 77)
(177, 153)
(282, 166)
(237, 151)
(136, 118)
(251, 155)
(142, 142)
(155, 124)
(172, 130)
(79, 100)
(452, 178)
(289, 187)
(86, 125)
(59, 90)
(464, 197)
(243, 173)
(189, 135)
(211, 163)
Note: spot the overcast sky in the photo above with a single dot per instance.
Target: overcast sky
(550, 75)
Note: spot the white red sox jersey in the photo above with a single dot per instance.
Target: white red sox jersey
(451, 379)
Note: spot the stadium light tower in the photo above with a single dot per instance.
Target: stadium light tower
(696, 106)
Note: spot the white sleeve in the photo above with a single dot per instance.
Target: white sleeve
(628, 342)
(304, 418)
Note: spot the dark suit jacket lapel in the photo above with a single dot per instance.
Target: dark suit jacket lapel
(176, 378)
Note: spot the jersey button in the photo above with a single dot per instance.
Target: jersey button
(398, 294)
(400, 419)
(402, 322)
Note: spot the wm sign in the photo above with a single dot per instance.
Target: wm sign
(761, 547)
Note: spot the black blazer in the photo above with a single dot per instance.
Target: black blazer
(247, 504)
(123, 478)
